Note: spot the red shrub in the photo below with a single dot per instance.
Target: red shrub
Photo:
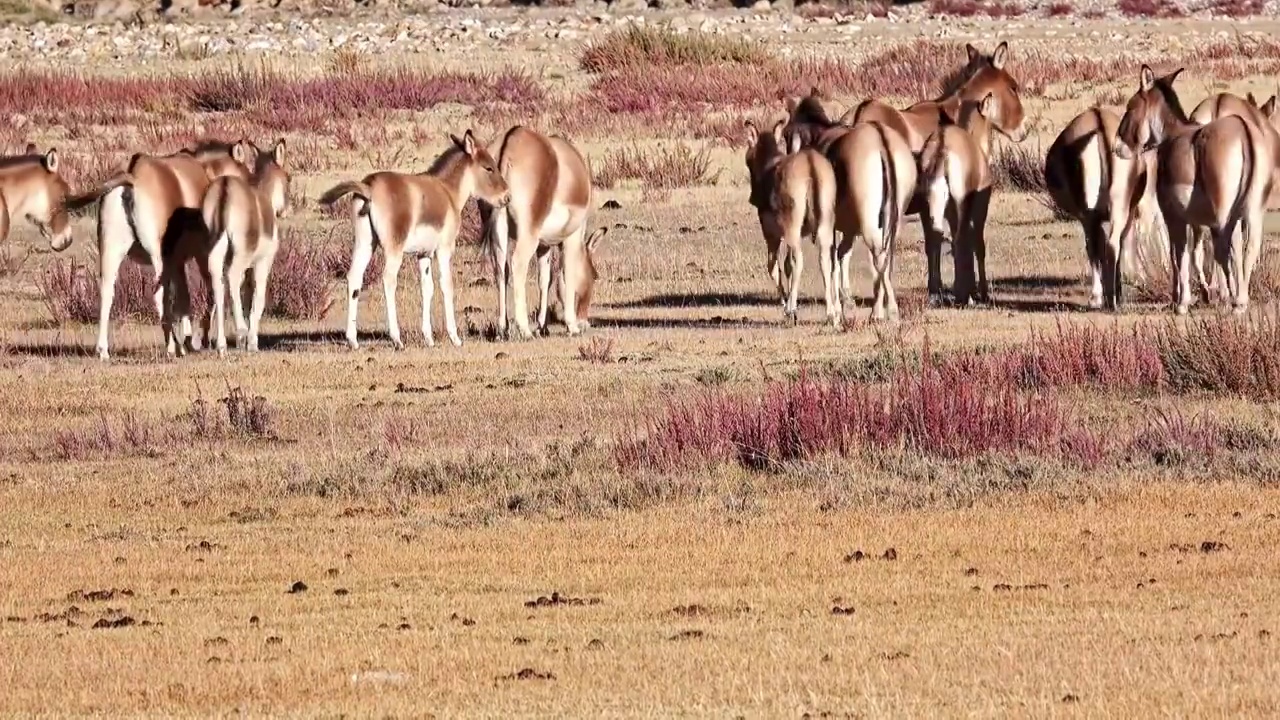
(1061, 8)
(300, 282)
(1149, 8)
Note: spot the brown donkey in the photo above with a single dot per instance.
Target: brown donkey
(147, 210)
(416, 215)
(983, 75)
(586, 278)
(1217, 175)
(875, 178)
(955, 170)
(1089, 182)
(795, 196)
(241, 217)
(31, 187)
(550, 202)
(1227, 105)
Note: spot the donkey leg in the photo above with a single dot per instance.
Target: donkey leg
(499, 247)
(179, 302)
(444, 256)
(573, 250)
(261, 276)
(390, 271)
(361, 254)
(235, 288)
(1179, 252)
(978, 230)
(933, 254)
(526, 244)
(428, 290)
(1095, 234)
(217, 280)
(544, 287)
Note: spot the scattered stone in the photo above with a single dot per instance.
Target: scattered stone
(297, 587)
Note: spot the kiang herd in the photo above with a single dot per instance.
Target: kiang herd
(220, 205)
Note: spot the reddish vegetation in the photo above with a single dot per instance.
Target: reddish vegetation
(1149, 8)
(299, 285)
(665, 168)
(1238, 8)
(970, 8)
(975, 403)
(1061, 8)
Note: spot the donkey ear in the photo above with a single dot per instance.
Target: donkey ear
(240, 152)
(790, 104)
(1249, 98)
(1146, 79)
(50, 160)
(987, 105)
(468, 142)
(1000, 56)
(777, 132)
(815, 92)
(278, 151)
(753, 135)
(1269, 107)
(1168, 79)
(31, 149)
(974, 54)
(593, 240)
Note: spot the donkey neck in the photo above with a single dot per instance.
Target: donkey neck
(453, 171)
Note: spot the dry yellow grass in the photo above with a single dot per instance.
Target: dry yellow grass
(425, 497)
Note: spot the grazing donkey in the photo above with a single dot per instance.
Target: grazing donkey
(875, 178)
(148, 209)
(550, 202)
(416, 215)
(31, 187)
(1089, 182)
(795, 196)
(955, 168)
(586, 279)
(1218, 175)
(241, 216)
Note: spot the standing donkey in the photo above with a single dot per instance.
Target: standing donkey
(242, 219)
(795, 196)
(31, 187)
(550, 202)
(416, 215)
(1218, 175)
(149, 208)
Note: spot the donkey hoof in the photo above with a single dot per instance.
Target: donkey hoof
(397, 343)
(455, 340)
(1180, 310)
(1095, 302)
(1239, 309)
(936, 300)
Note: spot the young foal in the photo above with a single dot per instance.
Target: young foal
(417, 215)
(241, 216)
(795, 196)
(31, 187)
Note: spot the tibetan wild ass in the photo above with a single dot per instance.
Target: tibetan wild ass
(1220, 106)
(416, 215)
(983, 75)
(808, 125)
(795, 196)
(31, 187)
(955, 169)
(875, 178)
(1217, 175)
(550, 202)
(241, 217)
(1089, 182)
(149, 209)
(586, 279)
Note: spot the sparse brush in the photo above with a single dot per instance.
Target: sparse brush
(11, 261)
(666, 167)
(597, 351)
(1018, 168)
(1060, 8)
(1238, 8)
(249, 415)
(69, 290)
(346, 60)
(301, 281)
(648, 46)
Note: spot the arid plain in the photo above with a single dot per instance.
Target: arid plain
(1040, 510)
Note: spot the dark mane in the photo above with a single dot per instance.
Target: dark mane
(810, 110)
(447, 161)
(19, 160)
(956, 79)
(205, 148)
(1171, 100)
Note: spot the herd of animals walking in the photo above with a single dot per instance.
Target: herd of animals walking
(220, 204)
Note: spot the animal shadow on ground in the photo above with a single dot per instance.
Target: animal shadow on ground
(705, 323)
(1035, 282)
(703, 299)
